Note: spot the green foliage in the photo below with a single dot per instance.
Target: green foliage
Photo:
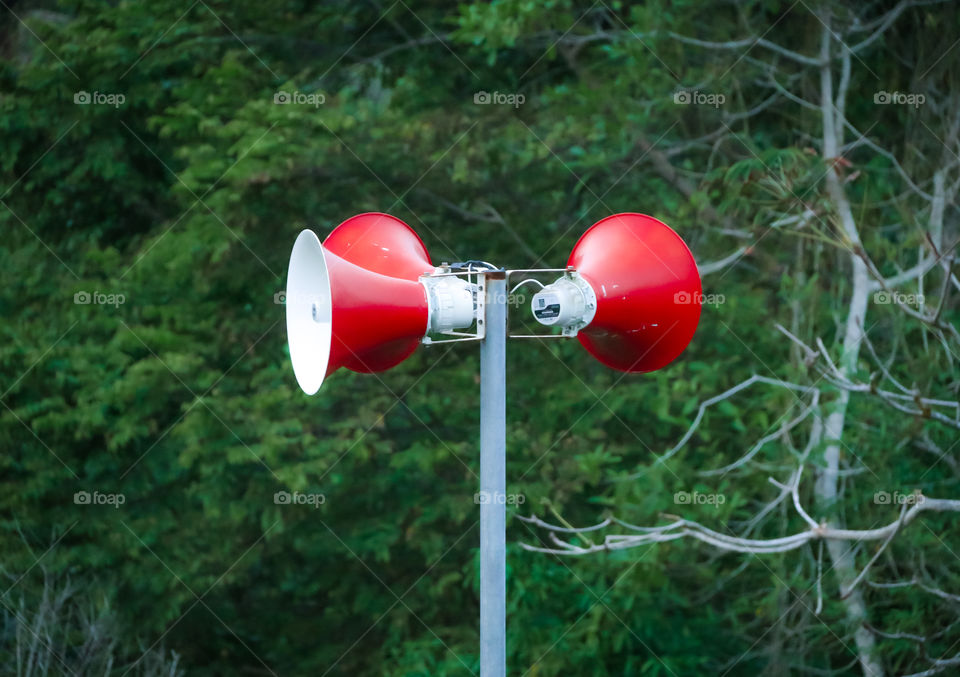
(185, 200)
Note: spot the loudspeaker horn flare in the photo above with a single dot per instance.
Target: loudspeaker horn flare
(356, 301)
(632, 296)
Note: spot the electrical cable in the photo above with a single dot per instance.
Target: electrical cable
(474, 265)
(529, 279)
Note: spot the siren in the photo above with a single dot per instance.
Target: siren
(368, 295)
(631, 296)
(365, 298)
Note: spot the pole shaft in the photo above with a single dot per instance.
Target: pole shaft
(493, 481)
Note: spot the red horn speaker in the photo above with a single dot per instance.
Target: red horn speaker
(357, 301)
(634, 298)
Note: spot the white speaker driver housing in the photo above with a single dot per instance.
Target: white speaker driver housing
(570, 303)
(450, 302)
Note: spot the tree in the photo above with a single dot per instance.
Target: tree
(822, 211)
(184, 200)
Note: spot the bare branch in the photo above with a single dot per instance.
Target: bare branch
(701, 411)
(763, 441)
(714, 266)
(536, 521)
(748, 42)
(846, 593)
(682, 528)
(887, 20)
(920, 584)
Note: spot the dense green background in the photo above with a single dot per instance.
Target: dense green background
(186, 199)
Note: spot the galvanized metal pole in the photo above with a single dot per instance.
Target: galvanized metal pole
(493, 481)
